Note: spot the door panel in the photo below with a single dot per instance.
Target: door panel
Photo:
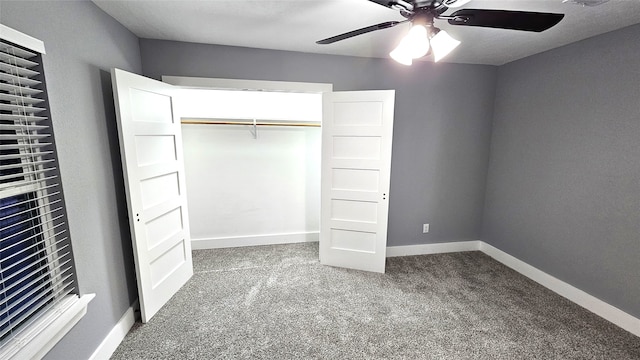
(357, 130)
(151, 149)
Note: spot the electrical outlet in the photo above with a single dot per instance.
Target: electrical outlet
(425, 228)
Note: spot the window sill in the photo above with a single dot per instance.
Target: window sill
(40, 337)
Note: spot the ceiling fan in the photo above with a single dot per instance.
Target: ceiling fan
(424, 38)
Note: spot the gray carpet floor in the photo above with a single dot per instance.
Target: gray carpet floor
(278, 302)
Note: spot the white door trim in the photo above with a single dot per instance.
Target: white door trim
(244, 84)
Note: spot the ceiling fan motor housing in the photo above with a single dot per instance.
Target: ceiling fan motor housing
(424, 3)
(424, 18)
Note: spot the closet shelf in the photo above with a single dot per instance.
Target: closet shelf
(247, 122)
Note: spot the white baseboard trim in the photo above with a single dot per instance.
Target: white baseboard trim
(439, 248)
(239, 241)
(589, 302)
(116, 335)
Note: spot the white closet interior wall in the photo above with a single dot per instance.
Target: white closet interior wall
(245, 191)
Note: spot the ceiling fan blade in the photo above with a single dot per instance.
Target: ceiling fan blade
(505, 19)
(364, 30)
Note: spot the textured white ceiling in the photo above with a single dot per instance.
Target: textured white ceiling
(295, 25)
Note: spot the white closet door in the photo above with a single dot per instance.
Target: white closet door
(357, 129)
(151, 148)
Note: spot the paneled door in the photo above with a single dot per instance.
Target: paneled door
(357, 129)
(151, 149)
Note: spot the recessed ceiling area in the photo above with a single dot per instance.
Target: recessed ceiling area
(295, 25)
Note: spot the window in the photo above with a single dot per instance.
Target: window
(37, 274)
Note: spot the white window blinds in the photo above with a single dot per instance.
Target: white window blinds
(36, 264)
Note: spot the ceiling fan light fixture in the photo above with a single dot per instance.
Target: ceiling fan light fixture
(418, 41)
(442, 44)
(401, 57)
(413, 46)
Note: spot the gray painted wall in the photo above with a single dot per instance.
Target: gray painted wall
(82, 44)
(441, 132)
(562, 188)
(563, 191)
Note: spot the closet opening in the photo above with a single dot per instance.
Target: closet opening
(252, 152)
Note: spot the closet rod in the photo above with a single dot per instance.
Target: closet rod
(229, 122)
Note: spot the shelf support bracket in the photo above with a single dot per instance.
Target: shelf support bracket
(255, 129)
